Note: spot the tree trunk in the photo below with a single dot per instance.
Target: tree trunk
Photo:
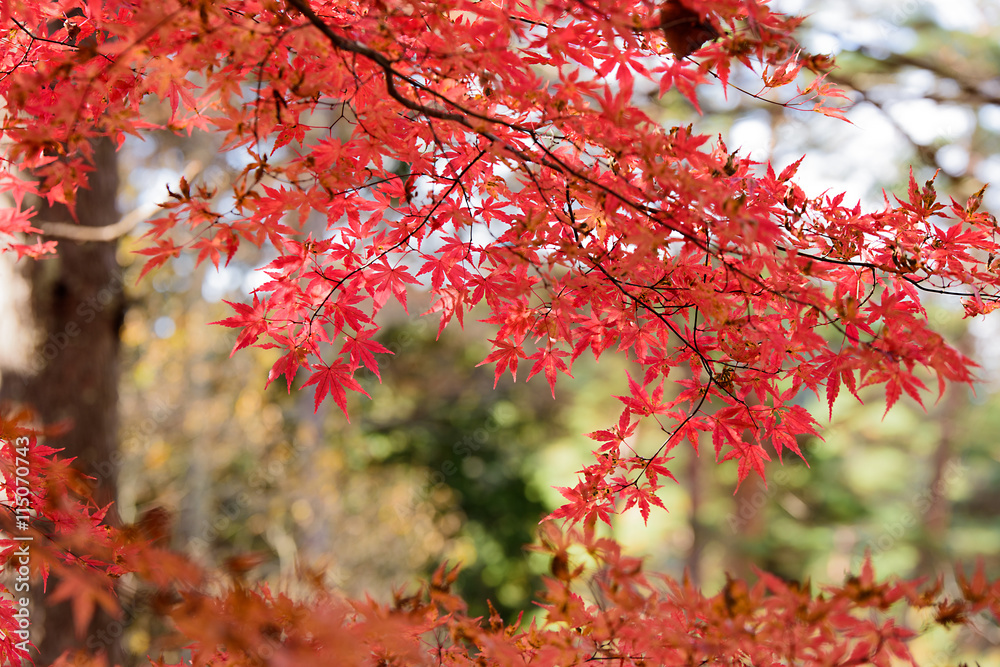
(933, 501)
(698, 534)
(72, 377)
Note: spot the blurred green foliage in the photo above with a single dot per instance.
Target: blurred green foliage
(436, 412)
(440, 466)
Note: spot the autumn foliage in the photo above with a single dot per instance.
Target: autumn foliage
(495, 154)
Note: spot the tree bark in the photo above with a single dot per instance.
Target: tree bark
(698, 535)
(72, 377)
(934, 499)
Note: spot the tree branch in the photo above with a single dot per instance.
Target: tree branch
(128, 222)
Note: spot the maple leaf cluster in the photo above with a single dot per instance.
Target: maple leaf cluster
(495, 154)
(534, 186)
(599, 605)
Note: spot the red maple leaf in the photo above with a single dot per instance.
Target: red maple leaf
(253, 319)
(505, 355)
(334, 379)
(550, 361)
(385, 280)
(361, 350)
